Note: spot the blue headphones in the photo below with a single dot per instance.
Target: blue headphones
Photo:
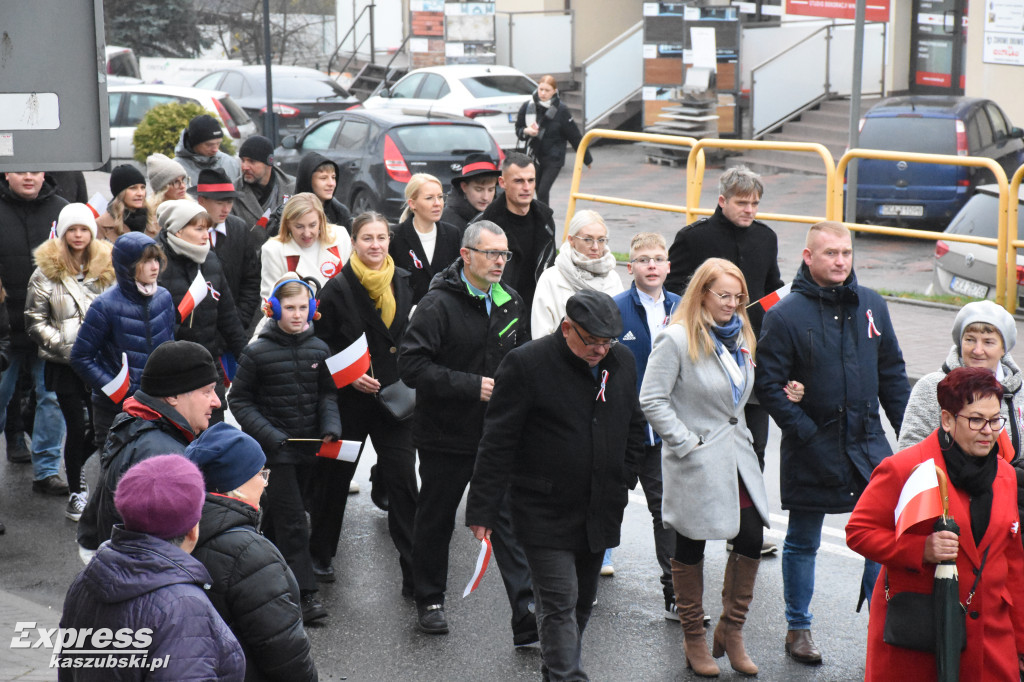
(272, 307)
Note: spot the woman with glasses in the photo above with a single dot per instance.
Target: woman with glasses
(168, 181)
(371, 296)
(987, 553)
(423, 244)
(713, 487)
(584, 262)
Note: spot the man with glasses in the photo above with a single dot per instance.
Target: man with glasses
(563, 428)
(461, 330)
(836, 338)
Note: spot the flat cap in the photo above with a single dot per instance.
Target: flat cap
(596, 312)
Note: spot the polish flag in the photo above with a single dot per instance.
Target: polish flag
(920, 499)
(766, 302)
(351, 363)
(482, 560)
(97, 204)
(345, 450)
(264, 219)
(193, 297)
(117, 388)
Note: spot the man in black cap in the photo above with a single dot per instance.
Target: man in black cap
(262, 187)
(472, 191)
(172, 406)
(236, 244)
(199, 148)
(563, 423)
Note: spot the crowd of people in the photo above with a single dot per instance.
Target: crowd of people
(228, 285)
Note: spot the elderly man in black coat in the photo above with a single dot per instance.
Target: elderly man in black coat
(563, 422)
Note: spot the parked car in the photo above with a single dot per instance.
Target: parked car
(970, 269)
(122, 66)
(491, 95)
(301, 95)
(129, 103)
(378, 151)
(921, 195)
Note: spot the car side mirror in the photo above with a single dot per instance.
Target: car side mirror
(384, 92)
(289, 142)
(1016, 132)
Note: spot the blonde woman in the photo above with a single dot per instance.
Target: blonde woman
(167, 181)
(423, 244)
(307, 245)
(583, 262)
(127, 211)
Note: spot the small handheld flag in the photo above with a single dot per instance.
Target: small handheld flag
(117, 388)
(264, 219)
(766, 302)
(920, 499)
(482, 560)
(98, 204)
(351, 363)
(345, 450)
(193, 297)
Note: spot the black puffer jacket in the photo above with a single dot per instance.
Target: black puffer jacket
(215, 318)
(24, 225)
(239, 254)
(450, 344)
(337, 213)
(284, 390)
(254, 591)
(407, 250)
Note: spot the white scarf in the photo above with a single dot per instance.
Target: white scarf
(581, 272)
(193, 252)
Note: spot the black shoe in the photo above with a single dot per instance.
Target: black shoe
(431, 620)
(17, 449)
(378, 495)
(3, 528)
(312, 609)
(51, 485)
(524, 633)
(323, 572)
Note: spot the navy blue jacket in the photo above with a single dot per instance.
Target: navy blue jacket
(636, 336)
(833, 439)
(139, 581)
(120, 320)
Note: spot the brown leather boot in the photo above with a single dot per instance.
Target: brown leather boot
(688, 583)
(737, 593)
(801, 647)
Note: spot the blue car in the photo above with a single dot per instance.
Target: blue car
(925, 195)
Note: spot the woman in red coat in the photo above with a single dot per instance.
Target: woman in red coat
(983, 501)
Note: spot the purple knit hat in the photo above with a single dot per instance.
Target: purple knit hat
(161, 496)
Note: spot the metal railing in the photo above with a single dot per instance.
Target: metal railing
(355, 22)
(613, 75)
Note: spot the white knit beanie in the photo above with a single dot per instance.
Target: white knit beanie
(986, 312)
(75, 214)
(162, 171)
(176, 214)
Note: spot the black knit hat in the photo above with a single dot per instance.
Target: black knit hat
(123, 177)
(203, 128)
(177, 367)
(257, 148)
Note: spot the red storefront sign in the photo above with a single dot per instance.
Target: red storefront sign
(876, 10)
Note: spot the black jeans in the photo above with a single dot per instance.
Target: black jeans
(445, 476)
(564, 587)
(103, 412)
(284, 519)
(757, 422)
(649, 476)
(76, 407)
(547, 173)
(747, 542)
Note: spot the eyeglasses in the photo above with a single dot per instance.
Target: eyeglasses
(594, 344)
(265, 473)
(978, 423)
(738, 299)
(493, 255)
(589, 241)
(646, 260)
(180, 182)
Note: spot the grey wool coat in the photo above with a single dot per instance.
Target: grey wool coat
(684, 401)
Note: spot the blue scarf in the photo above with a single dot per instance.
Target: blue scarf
(729, 336)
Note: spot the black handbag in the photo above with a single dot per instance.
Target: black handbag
(398, 400)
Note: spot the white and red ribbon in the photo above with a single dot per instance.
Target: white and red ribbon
(872, 329)
(750, 357)
(604, 384)
(213, 292)
(53, 230)
(415, 261)
(482, 560)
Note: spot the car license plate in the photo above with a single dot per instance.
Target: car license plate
(968, 288)
(901, 210)
(512, 117)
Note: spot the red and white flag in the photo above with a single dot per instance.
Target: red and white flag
(345, 450)
(265, 218)
(193, 297)
(482, 560)
(766, 302)
(351, 363)
(117, 388)
(920, 499)
(98, 204)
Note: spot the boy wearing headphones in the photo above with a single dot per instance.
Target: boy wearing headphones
(282, 393)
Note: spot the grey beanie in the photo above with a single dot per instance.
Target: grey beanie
(176, 214)
(986, 312)
(162, 171)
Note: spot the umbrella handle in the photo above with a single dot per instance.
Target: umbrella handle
(943, 491)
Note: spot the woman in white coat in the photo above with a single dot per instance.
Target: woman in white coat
(698, 379)
(583, 262)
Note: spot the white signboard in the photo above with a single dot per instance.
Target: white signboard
(1004, 32)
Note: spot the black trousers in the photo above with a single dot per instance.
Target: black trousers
(76, 406)
(649, 477)
(747, 542)
(445, 477)
(284, 519)
(103, 412)
(546, 175)
(396, 471)
(757, 422)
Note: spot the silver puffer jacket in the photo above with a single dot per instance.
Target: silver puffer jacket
(56, 303)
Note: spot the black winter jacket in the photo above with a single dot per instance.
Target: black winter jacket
(254, 591)
(449, 346)
(283, 390)
(346, 312)
(754, 249)
(24, 225)
(337, 213)
(523, 271)
(556, 128)
(458, 211)
(824, 337)
(216, 317)
(239, 255)
(147, 427)
(407, 251)
(564, 451)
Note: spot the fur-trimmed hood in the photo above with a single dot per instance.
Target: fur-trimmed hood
(101, 268)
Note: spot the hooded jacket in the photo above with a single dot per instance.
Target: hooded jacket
(139, 581)
(122, 319)
(57, 301)
(556, 127)
(254, 591)
(24, 225)
(839, 342)
(248, 206)
(337, 213)
(193, 163)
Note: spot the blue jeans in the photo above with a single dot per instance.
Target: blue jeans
(803, 536)
(48, 431)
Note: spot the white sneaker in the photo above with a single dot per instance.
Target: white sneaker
(353, 487)
(76, 505)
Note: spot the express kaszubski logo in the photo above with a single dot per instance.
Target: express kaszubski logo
(90, 647)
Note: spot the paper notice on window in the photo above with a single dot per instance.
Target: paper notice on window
(702, 42)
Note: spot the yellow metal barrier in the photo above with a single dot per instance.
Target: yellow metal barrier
(1013, 241)
(1005, 267)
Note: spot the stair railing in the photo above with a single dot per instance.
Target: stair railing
(355, 23)
(613, 75)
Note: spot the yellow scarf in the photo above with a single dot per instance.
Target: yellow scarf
(378, 285)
